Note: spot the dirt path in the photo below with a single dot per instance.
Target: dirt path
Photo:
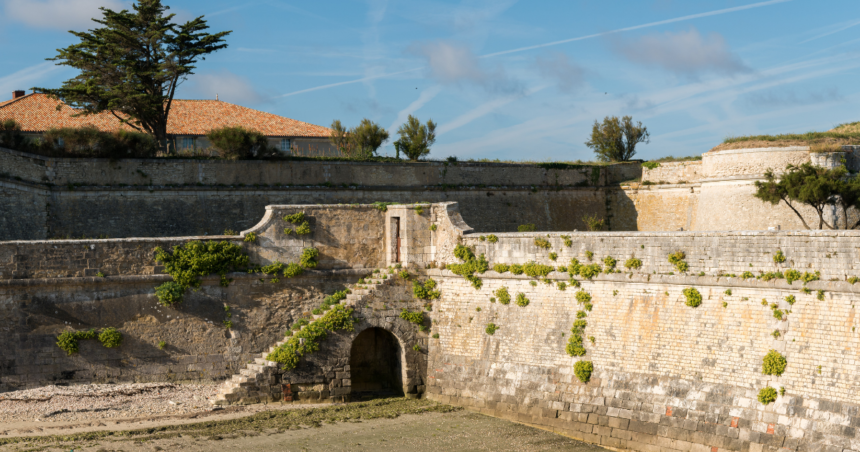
(380, 425)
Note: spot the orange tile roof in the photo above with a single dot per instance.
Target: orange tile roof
(38, 113)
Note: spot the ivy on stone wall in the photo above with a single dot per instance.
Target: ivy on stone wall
(68, 341)
(412, 317)
(425, 291)
(303, 227)
(306, 341)
(470, 265)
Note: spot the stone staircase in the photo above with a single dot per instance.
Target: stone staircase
(255, 383)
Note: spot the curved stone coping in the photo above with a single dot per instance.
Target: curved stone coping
(643, 234)
(209, 280)
(749, 150)
(269, 217)
(677, 280)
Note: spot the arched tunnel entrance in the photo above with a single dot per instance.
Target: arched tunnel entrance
(376, 365)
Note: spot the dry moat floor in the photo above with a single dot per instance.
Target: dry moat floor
(380, 425)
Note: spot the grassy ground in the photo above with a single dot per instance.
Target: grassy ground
(379, 425)
(845, 134)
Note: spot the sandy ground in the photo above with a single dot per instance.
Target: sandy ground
(163, 416)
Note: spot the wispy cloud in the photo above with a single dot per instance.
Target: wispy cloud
(638, 27)
(426, 96)
(58, 14)
(775, 98)
(839, 27)
(226, 85)
(558, 68)
(350, 82)
(483, 110)
(685, 53)
(454, 63)
(26, 78)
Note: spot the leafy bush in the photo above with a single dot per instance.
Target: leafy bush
(522, 301)
(651, 165)
(809, 277)
(309, 258)
(501, 268)
(633, 263)
(492, 238)
(307, 340)
(593, 223)
(293, 270)
(110, 337)
(553, 256)
(747, 275)
(470, 265)
(433, 227)
(195, 259)
(728, 292)
(774, 363)
(609, 264)
(583, 370)
(412, 317)
(677, 259)
(790, 299)
(250, 237)
(491, 329)
(503, 295)
(517, 269)
(819, 294)
(68, 340)
(589, 271)
(779, 257)
(529, 227)
(170, 293)
(536, 270)
(767, 395)
(792, 275)
(582, 297)
(694, 298)
(415, 138)
(416, 347)
(574, 346)
(425, 291)
(542, 243)
(237, 142)
(359, 142)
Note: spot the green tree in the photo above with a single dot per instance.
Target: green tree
(361, 141)
(808, 185)
(132, 65)
(615, 140)
(415, 138)
(238, 142)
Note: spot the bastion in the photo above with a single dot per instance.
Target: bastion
(675, 325)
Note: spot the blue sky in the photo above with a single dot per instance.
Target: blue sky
(505, 79)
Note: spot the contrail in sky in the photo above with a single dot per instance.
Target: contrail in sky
(554, 43)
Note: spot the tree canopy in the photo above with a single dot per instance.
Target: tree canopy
(361, 141)
(815, 187)
(132, 65)
(415, 138)
(615, 140)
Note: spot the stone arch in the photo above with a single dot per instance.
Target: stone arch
(377, 364)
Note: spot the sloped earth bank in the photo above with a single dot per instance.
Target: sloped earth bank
(380, 425)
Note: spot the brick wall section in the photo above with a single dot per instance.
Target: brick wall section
(667, 376)
(833, 253)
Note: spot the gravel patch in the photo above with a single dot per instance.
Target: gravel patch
(90, 402)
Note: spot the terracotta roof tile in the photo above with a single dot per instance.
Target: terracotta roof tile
(38, 113)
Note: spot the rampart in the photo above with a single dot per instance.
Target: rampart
(48, 198)
(667, 375)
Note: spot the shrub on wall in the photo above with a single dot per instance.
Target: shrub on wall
(309, 258)
(303, 227)
(582, 297)
(412, 317)
(110, 337)
(307, 340)
(425, 291)
(503, 295)
(583, 370)
(677, 259)
(536, 270)
(170, 293)
(470, 265)
(774, 363)
(792, 275)
(68, 341)
(186, 264)
(522, 301)
(633, 263)
(517, 269)
(491, 329)
(589, 271)
(609, 264)
(542, 243)
(501, 268)
(529, 227)
(779, 257)
(767, 395)
(492, 238)
(694, 298)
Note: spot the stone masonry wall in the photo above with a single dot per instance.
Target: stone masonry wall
(666, 376)
(674, 173)
(833, 253)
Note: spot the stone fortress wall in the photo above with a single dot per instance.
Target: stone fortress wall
(45, 198)
(667, 376)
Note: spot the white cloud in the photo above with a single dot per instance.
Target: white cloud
(25, 79)
(59, 14)
(559, 68)
(483, 110)
(686, 53)
(228, 86)
(454, 63)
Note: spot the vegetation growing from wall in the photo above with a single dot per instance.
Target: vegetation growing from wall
(491, 329)
(778, 258)
(492, 238)
(412, 317)
(633, 263)
(186, 264)
(528, 227)
(68, 341)
(677, 259)
(299, 219)
(309, 258)
(503, 295)
(306, 341)
(694, 298)
(470, 265)
(542, 243)
(767, 395)
(425, 291)
(609, 264)
(773, 363)
(522, 301)
(583, 370)
(593, 222)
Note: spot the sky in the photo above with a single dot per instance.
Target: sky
(503, 79)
